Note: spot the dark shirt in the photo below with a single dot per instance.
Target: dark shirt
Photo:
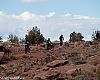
(61, 38)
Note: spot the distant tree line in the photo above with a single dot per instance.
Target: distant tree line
(13, 38)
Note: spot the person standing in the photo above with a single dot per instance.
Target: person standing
(61, 38)
(27, 48)
(49, 44)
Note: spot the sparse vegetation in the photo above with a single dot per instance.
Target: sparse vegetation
(34, 36)
(75, 58)
(22, 40)
(74, 37)
(90, 53)
(0, 38)
(13, 38)
(27, 66)
(96, 36)
(8, 57)
(83, 75)
(94, 63)
(98, 73)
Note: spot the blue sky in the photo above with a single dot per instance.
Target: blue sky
(53, 17)
(81, 7)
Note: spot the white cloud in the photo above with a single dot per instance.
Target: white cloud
(51, 25)
(68, 14)
(82, 17)
(1, 12)
(33, 1)
(25, 16)
(51, 14)
(78, 16)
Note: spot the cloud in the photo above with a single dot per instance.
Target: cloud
(51, 14)
(51, 25)
(33, 1)
(68, 14)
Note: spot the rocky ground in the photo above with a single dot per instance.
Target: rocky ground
(67, 62)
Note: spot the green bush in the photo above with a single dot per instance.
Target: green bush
(75, 37)
(34, 36)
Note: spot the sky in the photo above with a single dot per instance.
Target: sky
(53, 17)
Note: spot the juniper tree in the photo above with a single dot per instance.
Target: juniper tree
(34, 36)
(75, 37)
(0, 38)
(13, 38)
(96, 36)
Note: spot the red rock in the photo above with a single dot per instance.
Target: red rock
(70, 72)
(57, 63)
(51, 74)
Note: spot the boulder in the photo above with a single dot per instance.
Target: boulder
(57, 63)
(71, 72)
(48, 75)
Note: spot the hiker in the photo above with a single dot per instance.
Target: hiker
(27, 48)
(61, 38)
(49, 44)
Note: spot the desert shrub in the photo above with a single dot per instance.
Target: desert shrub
(90, 53)
(93, 69)
(94, 63)
(16, 65)
(2, 69)
(13, 38)
(34, 36)
(12, 68)
(96, 36)
(75, 58)
(27, 67)
(98, 74)
(83, 75)
(49, 58)
(8, 57)
(75, 37)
